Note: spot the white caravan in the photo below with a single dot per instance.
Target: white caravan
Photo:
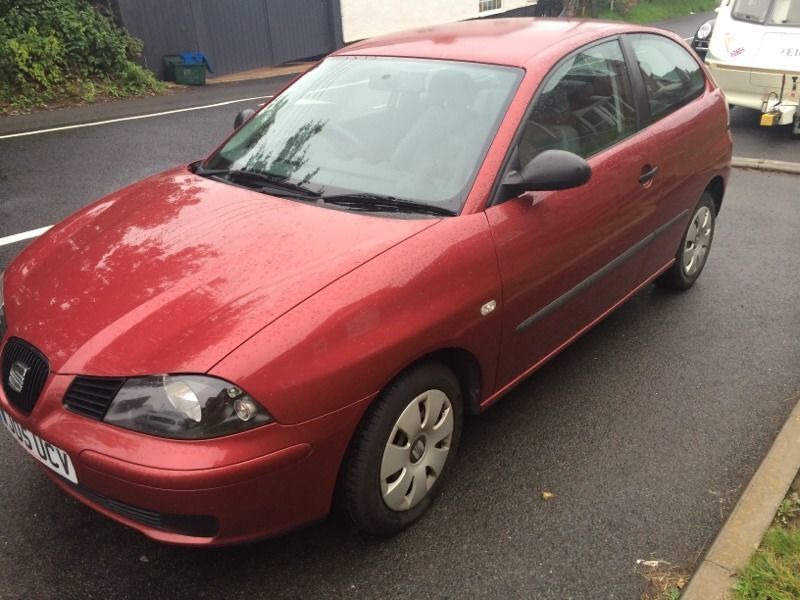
(754, 55)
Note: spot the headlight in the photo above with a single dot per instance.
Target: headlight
(3, 324)
(184, 407)
(705, 30)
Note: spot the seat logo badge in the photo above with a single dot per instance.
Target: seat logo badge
(488, 307)
(16, 377)
(418, 450)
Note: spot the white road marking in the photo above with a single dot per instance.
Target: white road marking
(134, 118)
(25, 235)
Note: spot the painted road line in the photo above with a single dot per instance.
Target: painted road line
(25, 235)
(134, 118)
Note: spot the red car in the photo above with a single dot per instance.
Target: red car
(397, 239)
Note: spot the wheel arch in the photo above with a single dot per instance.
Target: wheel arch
(717, 190)
(465, 367)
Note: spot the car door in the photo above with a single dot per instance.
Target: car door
(687, 118)
(566, 257)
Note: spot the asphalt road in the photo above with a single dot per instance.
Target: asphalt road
(646, 430)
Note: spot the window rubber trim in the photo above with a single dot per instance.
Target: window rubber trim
(637, 82)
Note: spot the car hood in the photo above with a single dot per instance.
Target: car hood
(173, 273)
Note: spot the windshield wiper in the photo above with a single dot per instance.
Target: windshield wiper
(260, 180)
(377, 202)
(358, 201)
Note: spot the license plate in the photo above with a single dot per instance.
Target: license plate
(46, 453)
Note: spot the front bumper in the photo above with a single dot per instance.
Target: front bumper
(227, 490)
(759, 89)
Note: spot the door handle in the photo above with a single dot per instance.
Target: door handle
(648, 174)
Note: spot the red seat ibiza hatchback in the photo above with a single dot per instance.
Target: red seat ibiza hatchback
(393, 242)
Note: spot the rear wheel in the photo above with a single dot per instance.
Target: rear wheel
(693, 251)
(402, 449)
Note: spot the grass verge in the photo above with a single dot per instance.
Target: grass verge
(647, 11)
(80, 93)
(773, 572)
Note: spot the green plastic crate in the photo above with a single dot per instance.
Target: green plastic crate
(170, 60)
(190, 74)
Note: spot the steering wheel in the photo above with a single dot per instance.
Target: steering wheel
(547, 131)
(347, 144)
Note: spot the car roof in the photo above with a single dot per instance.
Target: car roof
(510, 41)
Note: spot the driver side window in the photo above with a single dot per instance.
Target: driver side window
(585, 105)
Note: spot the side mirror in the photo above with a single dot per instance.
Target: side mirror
(242, 117)
(549, 170)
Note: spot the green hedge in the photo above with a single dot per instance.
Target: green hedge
(54, 51)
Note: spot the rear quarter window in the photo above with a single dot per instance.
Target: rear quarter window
(671, 76)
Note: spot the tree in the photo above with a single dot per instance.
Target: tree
(591, 8)
(582, 8)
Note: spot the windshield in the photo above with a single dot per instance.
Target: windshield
(769, 12)
(404, 128)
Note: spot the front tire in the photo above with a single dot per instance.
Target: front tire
(402, 449)
(695, 246)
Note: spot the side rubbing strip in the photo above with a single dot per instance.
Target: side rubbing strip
(670, 223)
(597, 275)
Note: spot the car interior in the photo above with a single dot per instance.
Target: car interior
(587, 110)
(431, 124)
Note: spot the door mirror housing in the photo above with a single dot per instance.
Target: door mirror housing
(242, 117)
(547, 171)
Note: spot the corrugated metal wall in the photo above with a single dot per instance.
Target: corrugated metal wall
(235, 35)
(296, 28)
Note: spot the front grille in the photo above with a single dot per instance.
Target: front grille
(91, 396)
(193, 525)
(30, 373)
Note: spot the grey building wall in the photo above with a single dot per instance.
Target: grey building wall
(235, 35)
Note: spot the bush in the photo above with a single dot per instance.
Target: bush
(65, 50)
